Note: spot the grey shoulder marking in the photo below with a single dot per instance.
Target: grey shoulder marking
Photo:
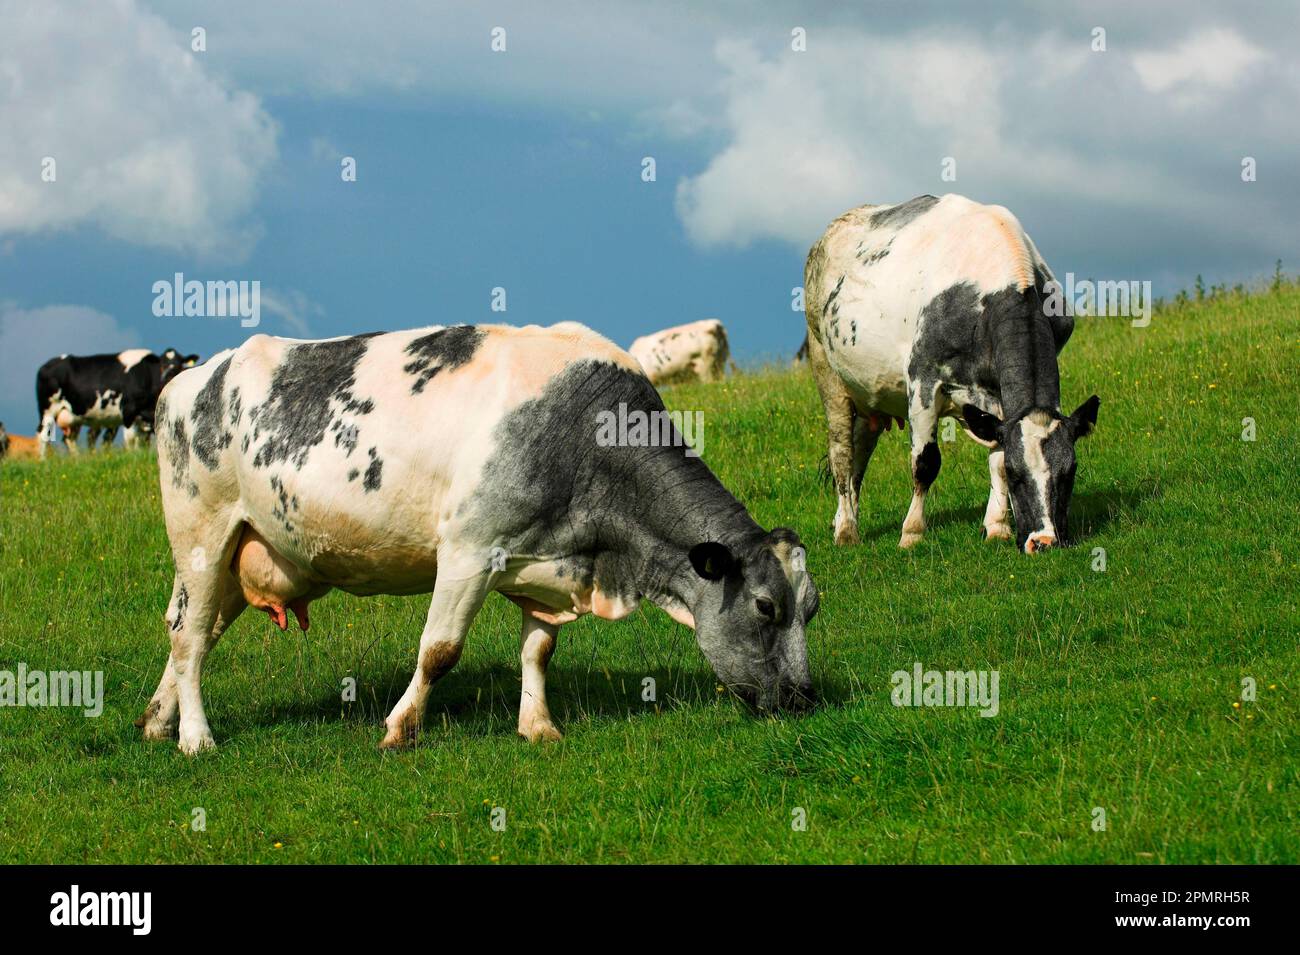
(305, 386)
(448, 348)
(903, 213)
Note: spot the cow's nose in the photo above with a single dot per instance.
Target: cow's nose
(1039, 542)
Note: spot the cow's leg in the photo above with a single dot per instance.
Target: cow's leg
(71, 435)
(45, 433)
(839, 431)
(92, 436)
(110, 435)
(131, 437)
(537, 643)
(995, 516)
(161, 716)
(923, 422)
(452, 610)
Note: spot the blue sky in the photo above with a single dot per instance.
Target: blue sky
(522, 169)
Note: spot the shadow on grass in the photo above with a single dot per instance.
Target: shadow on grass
(1091, 513)
(475, 698)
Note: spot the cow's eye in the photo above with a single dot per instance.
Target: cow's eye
(766, 608)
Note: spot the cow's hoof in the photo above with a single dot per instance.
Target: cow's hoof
(994, 532)
(402, 735)
(847, 536)
(193, 744)
(909, 540)
(157, 732)
(540, 731)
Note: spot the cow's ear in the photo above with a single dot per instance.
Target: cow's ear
(983, 425)
(191, 361)
(1084, 418)
(712, 560)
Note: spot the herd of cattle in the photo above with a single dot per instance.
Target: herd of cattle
(461, 460)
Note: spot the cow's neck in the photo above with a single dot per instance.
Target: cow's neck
(1022, 351)
(675, 503)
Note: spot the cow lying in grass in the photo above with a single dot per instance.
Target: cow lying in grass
(932, 308)
(459, 460)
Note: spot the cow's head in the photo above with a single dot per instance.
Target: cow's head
(750, 615)
(1039, 458)
(173, 362)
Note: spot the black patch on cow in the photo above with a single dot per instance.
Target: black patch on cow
(236, 406)
(374, 472)
(310, 387)
(345, 435)
(182, 604)
(927, 466)
(448, 349)
(209, 417)
(178, 454)
(834, 295)
(353, 474)
(900, 215)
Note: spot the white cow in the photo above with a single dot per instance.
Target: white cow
(697, 351)
(458, 460)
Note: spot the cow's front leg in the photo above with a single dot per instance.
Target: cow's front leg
(452, 610)
(995, 516)
(923, 421)
(537, 643)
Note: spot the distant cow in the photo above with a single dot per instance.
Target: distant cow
(16, 447)
(103, 392)
(459, 460)
(933, 308)
(694, 352)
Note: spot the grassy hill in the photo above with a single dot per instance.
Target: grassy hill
(1120, 688)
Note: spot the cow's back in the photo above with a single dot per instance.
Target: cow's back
(872, 275)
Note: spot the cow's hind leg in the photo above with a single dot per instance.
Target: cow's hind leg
(839, 432)
(923, 421)
(161, 717)
(537, 643)
(452, 610)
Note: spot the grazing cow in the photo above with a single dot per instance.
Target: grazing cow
(459, 460)
(936, 307)
(16, 447)
(103, 392)
(694, 352)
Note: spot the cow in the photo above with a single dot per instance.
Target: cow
(457, 460)
(697, 351)
(16, 447)
(941, 307)
(103, 392)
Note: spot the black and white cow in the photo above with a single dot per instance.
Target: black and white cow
(103, 392)
(459, 460)
(932, 308)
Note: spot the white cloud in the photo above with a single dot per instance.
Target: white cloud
(1214, 58)
(1069, 140)
(148, 145)
(31, 336)
(292, 307)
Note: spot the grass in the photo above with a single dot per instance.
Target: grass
(1117, 686)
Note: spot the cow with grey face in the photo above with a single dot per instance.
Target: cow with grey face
(937, 307)
(460, 461)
